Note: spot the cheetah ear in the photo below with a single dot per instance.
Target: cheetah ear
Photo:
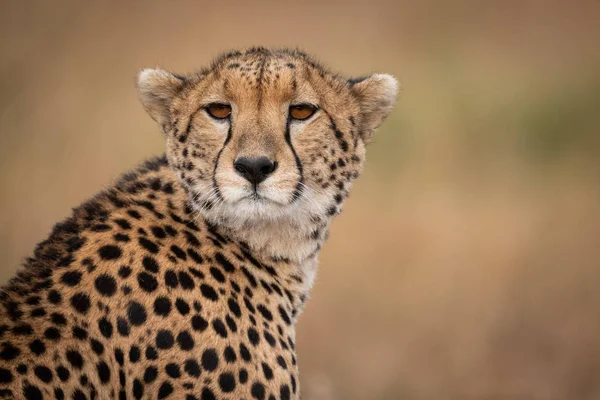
(156, 89)
(376, 95)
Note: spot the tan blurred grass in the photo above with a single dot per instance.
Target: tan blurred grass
(465, 263)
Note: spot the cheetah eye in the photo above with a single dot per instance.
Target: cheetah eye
(218, 111)
(301, 112)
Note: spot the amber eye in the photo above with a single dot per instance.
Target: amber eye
(218, 111)
(302, 111)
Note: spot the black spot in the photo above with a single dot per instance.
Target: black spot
(182, 306)
(43, 373)
(245, 353)
(234, 307)
(136, 313)
(123, 326)
(106, 328)
(151, 353)
(162, 306)
(97, 347)
(51, 334)
(217, 274)
(219, 327)
(32, 393)
(225, 263)
(270, 339)
(109, 252)
(106, 285)
(119, 356)
(229, 354)
(253, 336)
(124, 272)
(198, 274)
(265, 312)
(147, 282)
(103, 372)
(250, 277)
(79, 333)
(121, 237)
(54, 297)
(25, 329)
(165, 390)
(258, 391)
(58, 319)
(267, 371)
(5, 376)
(179, 253)
(158, 232)
(231, 323)
(123, 224)
(148, 245)
(71, 278)
(171, 279)
(37, 347)
(210, 359)
(59, 394)
(207, 394)
(134, 354)
(192, 368)
(22, 369)
(195, 256)
(186, 281)
(150, 264)
(164, 339)
(199, 323)
(192, 240)
(63, 373)
(75, 359)
(150, 374)
(227, 382)
(78, 395)
(284, 316)
(185, 341)
(284, 392)
(243, 376)
(134, 214)
(138, 389)
(81, 302)
(209, 292)
(173, 370)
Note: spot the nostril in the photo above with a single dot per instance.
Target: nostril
(268, 168)
(240, 168)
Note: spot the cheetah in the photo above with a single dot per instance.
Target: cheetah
(185, 278)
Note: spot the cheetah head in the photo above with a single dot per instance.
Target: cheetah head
(266, 135)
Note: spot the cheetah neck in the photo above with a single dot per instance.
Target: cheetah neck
(291, 249)
(276, 240)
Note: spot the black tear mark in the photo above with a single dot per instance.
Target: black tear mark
(215, 186)
(298, 190)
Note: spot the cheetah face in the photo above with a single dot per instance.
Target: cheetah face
(266, 135)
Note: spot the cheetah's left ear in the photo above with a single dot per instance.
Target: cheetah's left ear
(377, 96)
(157, 89)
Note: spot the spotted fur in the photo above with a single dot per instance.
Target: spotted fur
(183, 280)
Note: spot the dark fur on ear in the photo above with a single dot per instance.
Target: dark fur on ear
(376, 95)
(156, 89)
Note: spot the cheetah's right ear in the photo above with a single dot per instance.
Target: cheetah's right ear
(156, 89)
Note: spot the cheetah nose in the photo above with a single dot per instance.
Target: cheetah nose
(255, 170)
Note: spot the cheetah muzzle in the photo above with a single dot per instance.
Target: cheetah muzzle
(185, 278)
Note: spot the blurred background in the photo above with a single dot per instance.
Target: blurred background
(466, 263)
